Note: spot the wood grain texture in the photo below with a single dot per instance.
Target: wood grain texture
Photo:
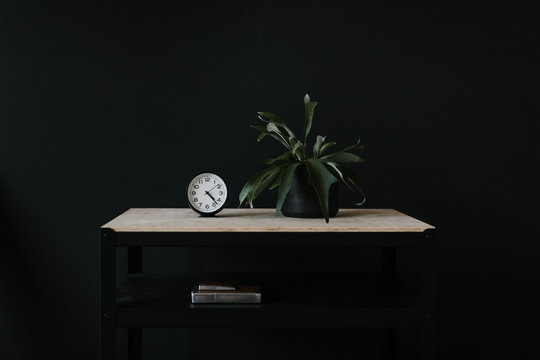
(263, 220)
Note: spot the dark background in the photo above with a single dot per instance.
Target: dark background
(107, 107)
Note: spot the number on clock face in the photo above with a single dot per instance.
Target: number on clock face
(207, 193)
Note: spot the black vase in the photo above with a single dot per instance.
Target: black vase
(302, 200)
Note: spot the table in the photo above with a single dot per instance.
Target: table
(387, 229)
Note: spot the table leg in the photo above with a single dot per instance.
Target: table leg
(134, 343)
(389, 343)
(134, 334)
(388, 272)
(428, 294)
(108, 288)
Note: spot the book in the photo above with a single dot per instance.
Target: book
(240, 295)
(215, 286)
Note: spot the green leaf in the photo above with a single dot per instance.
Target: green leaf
(309, 109)
(263, 131)
(258, 127)
(321, 179)
(349, 178)
(253, 187)
(292, 141)
(296, 147)
(343, 157)
(266, 181)
(317, 146)
(274, 131)
(271, 127)
(277, 182)
(286, 181)
(355, 146)
(335, 169)
(284, 156)
(279, 139)
(355, 183)
(273, 118)
(326, 146)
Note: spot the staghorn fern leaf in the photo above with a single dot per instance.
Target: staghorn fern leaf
(253, 186)
(286, 181)
(346, 158)
(326, 146)
(343, 157)
(309, 109)
(273, 118)
(355, 184)
(283, 157)
(317, 146)
(263, 131)
(321, 179)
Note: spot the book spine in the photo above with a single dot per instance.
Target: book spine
(228, 298)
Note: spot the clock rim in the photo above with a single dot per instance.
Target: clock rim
(202, 213)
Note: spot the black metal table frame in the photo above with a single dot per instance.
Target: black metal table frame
(387, 241)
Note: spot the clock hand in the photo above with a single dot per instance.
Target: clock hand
(207, 193)
(212, 188)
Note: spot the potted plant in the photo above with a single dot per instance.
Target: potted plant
(307, 183)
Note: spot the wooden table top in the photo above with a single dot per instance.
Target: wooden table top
(263, 220)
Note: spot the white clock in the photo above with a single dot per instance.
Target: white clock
(207, 194)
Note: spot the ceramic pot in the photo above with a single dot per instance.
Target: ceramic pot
(302, 200)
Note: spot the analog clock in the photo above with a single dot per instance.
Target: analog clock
(207, 194)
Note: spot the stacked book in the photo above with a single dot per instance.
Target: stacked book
(216, 293)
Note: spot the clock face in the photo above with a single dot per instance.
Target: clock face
(207, 193)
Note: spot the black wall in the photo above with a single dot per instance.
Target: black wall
(107, 107)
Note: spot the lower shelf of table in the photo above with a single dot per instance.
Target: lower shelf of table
(298, 300)
(266, 316)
